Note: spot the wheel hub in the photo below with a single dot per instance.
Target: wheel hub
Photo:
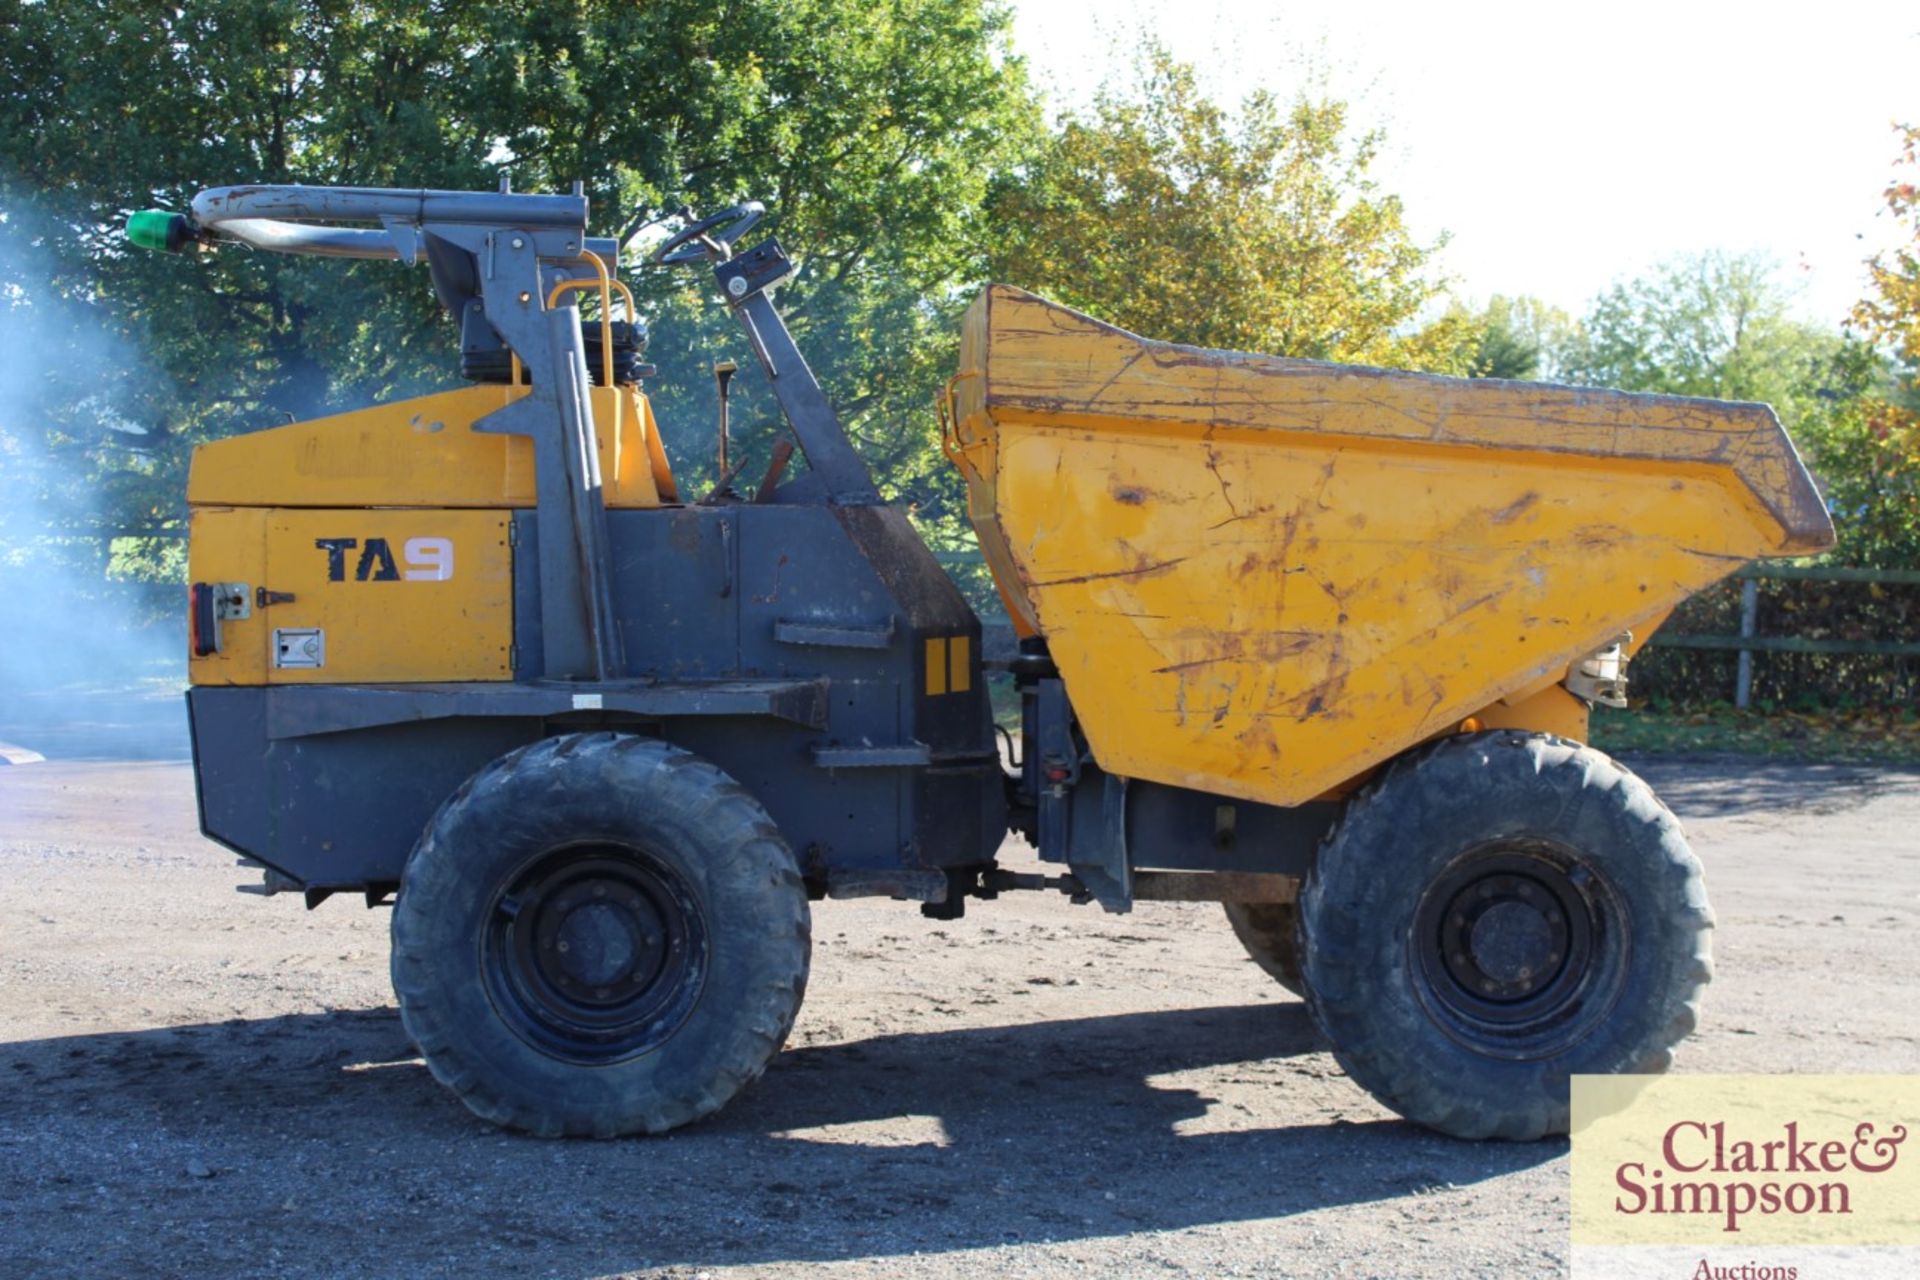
(595, 954)
(1503, 938)
(1508, 945)
(602, 942)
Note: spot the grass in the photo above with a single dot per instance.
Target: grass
(1867, 735)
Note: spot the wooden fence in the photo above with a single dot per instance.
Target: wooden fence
(1748, 642)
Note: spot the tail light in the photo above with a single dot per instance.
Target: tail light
(205, 621)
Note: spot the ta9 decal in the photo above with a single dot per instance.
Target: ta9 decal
(427, 559)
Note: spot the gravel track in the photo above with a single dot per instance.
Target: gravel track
(208, 1084)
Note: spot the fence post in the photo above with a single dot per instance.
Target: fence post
(1749, 615)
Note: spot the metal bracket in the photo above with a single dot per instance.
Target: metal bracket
(1109, 880)
(906, 755)
(760, 268)
(834, 635)
(1601, 676)
(912, 884)
(232, 601)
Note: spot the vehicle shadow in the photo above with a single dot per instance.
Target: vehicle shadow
(929, 1141)
(1718, 787)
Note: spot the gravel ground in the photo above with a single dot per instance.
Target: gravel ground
(209, 1084)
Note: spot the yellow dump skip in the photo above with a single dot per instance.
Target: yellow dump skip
(1262, 577)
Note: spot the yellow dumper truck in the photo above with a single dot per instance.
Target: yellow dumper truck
(1315, 642)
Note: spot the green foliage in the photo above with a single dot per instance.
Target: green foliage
(870, 130)
(1261, 230)
(1882, 736)
(1869, 449)
(1867, 455)
(1714, 324)
(1517, 338)
(1891, 314)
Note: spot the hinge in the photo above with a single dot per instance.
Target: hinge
(1601, 676)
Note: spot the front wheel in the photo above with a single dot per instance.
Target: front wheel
(1497, 913)
(599, 934)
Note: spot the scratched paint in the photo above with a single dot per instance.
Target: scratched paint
(378, 457)
(1263, 577)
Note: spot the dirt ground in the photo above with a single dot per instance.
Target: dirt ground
(201, 1083)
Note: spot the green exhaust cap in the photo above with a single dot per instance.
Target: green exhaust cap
(160, 230)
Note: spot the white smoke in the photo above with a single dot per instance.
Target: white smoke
(91, 659)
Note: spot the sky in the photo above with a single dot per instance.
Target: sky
(1565, 147)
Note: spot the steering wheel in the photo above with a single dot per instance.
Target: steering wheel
(722, 228)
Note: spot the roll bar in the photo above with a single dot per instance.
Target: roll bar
(301, 219)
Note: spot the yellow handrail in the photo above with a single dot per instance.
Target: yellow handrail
(584, 283)
(948, 406)
(606, 284)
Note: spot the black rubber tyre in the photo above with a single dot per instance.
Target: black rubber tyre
(1270, 933)
(599, 934)
(1494, 914)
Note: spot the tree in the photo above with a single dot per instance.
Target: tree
(1517, 338)
(1261, 230)
(1869, 452)
(1713, 324)
(1891, 314)
(871, 131)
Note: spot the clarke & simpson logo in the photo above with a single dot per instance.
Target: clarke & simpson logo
(1744, 1177)
(1704, 1172)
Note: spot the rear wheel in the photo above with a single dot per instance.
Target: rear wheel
(1270, 933)
(1495, 914)
(599, 934)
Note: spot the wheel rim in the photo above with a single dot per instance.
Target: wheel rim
(594, 953)
(1518, 949)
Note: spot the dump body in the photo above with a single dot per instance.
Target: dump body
(1260, 577)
